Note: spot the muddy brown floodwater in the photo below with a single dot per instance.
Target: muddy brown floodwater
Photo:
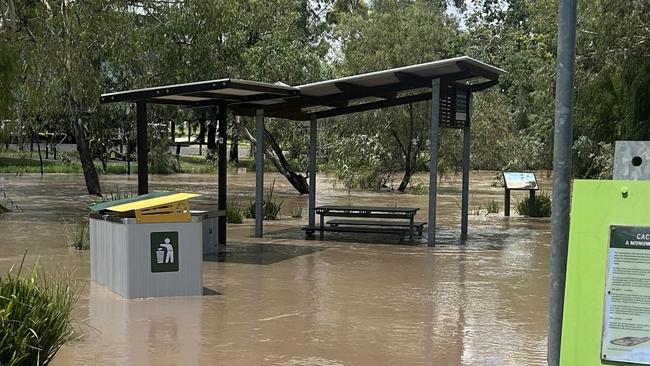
(282, 300)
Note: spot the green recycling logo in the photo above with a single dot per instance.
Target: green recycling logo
(164, 251)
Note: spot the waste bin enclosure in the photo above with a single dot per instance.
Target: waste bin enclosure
(139, 258)
(210, 220)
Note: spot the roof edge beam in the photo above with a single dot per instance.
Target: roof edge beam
(374, 105)
(364, 91)
(466, 66)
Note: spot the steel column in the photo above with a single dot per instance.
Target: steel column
(259, 173)
(222, 171)
(143, 149)
(562, 143)
(433, 163)
(313, 130)
(466, 166)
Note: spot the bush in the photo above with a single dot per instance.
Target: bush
(270, 207)
(542, 206)
(234, 214)
(492, 206)
(35, 318)
(419, 189)
(77, 234)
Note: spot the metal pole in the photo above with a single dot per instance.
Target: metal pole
(313, 130)
(222, 171)
(562, 143)
(465, 185)
(433, 163)
(259, 172)
(506, 202)
(143, 150)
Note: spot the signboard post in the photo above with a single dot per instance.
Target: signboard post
(514, 181)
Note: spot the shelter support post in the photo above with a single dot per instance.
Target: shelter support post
(433, 163)
(562, 143)
(143, 150)
(259, 173)
(466, 166)
(313, 130)
(222, 172)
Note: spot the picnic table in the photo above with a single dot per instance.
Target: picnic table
(393, 220)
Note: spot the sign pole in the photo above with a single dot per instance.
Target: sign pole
(562, 143)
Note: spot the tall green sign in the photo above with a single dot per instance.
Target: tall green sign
(164, 251)
(607, 295)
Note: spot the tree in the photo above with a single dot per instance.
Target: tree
(392, 34)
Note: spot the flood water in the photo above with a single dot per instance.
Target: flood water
(282, 300)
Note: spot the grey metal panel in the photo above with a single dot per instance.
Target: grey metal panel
(466, 171)
(632, 160)
(313, 131)
(433, 163)
(259, 173)
(210, 232)
(121, 259)
(384, 77)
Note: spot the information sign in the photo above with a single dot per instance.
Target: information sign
(520, 181)
(626, 318)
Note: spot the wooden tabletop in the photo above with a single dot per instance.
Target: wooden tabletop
(366, 208)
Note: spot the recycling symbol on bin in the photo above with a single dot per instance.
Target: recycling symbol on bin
(164, 251)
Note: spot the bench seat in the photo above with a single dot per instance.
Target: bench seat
(417, 225)
(359, 229)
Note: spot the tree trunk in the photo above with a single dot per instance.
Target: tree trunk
(407, 148)
(38, 146)
(274, 154)
(234, 149)
(90, 173)
(212, 139)
(405, 181)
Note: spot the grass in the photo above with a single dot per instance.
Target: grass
(234, 213)
(419, 189)
(542, 206)
(270, 207)
(77, 233)
(492, 206)
(35, 316)
(296, 212)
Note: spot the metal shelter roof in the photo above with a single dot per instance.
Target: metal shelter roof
(323, 99)
(205, 93)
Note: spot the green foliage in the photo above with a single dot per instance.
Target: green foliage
(270, 207)
(542, 206)
(77, 233)
(419, 189)
(492, 206)
(234, 213)
(35, 317)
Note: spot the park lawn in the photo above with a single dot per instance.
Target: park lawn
(15, 163)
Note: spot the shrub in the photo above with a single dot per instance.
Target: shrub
(542, 206)
(234, 214)
(77, 234)
(296, 213)
(270, 207)
(35, 318)
(492, 206)
(419, 189)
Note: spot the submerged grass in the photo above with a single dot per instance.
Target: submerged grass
(77, 233)
(35, 316)
(542, 206)
(234, 213)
